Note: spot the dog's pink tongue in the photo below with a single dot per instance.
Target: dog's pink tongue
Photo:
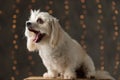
(36, 37)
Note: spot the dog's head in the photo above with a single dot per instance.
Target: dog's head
(41, 26)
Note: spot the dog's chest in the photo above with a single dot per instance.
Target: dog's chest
(46, 52)
(52, 56)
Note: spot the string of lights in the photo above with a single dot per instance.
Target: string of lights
(66, 8)
(15, 38)
(83, 24)
(115, 36)
(114, 17)
(101, 33)
(48, 7)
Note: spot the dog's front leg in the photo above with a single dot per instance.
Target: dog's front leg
(50, 74)
(69, 74)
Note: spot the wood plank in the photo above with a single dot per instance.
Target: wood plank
(41, 78)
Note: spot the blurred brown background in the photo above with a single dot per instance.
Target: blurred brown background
(95, 24)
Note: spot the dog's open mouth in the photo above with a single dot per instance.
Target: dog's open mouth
(38, 35)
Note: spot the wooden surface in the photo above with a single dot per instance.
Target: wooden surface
(41, 78)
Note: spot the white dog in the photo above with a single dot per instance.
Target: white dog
(60, 54)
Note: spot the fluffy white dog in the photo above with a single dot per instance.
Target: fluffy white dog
(61, 54)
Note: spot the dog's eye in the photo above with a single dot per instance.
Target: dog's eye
(39, 20)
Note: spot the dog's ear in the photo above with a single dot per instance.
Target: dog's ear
(55, 32)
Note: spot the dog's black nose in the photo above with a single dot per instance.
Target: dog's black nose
(28, 24)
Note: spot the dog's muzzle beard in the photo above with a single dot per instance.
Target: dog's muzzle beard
(38, 35)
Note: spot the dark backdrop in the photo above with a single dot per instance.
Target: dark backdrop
(95, 24)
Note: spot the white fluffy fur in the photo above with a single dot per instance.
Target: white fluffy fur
(59, 52)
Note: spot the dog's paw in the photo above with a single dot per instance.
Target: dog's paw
(48, 75)
(91, 75)
(70, 75)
